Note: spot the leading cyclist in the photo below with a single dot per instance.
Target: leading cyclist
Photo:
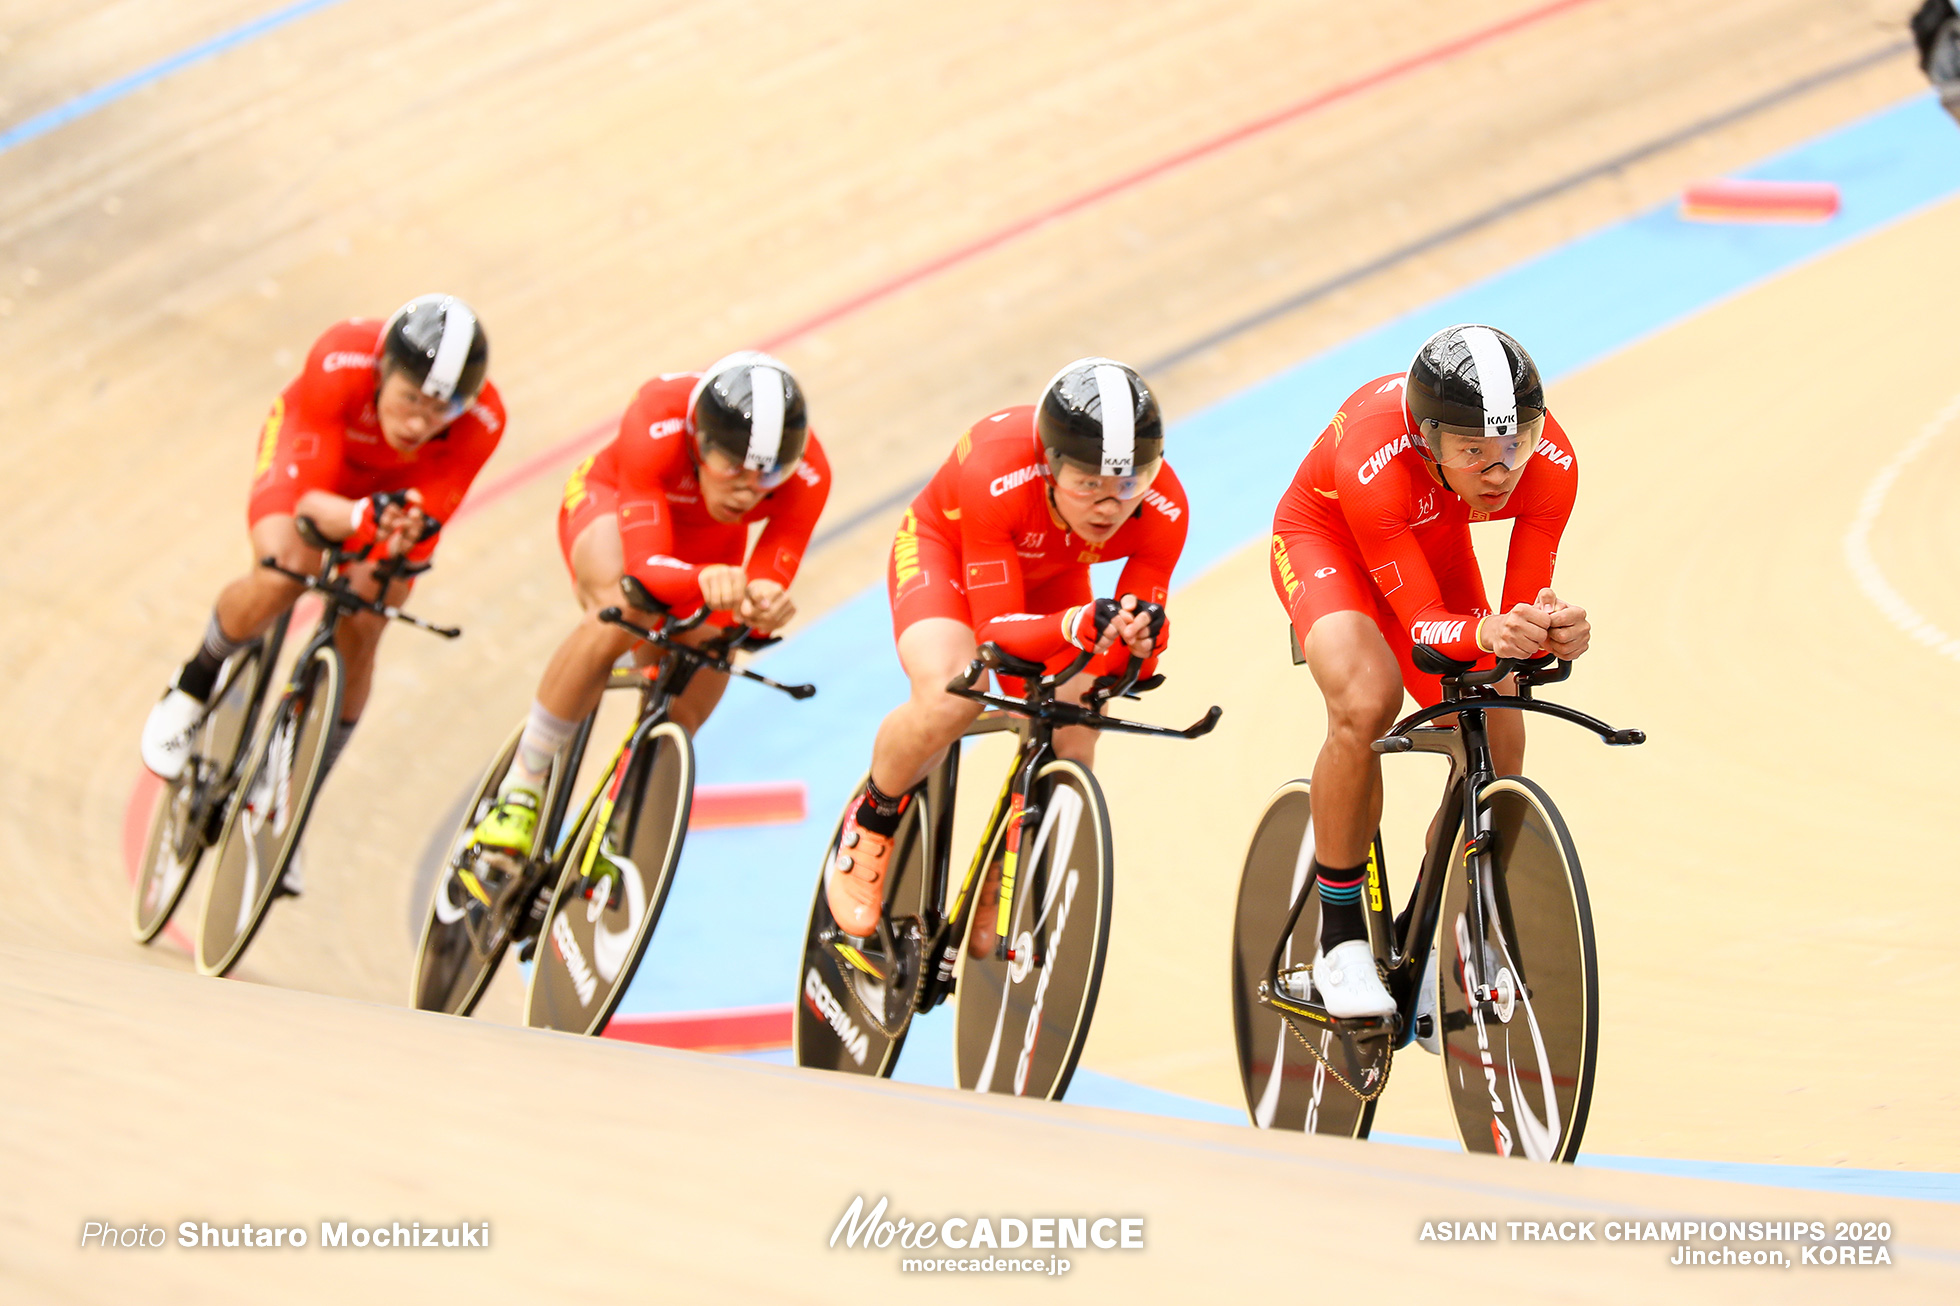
(699, 458)
(382, 431)
(1371, 555)
(997, 548)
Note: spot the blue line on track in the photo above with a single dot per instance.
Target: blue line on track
(89, 101)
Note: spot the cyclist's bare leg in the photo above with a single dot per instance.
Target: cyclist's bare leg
(252, 602)
(357, 637)
(916, 734)
(1362, 684)
(575, 678)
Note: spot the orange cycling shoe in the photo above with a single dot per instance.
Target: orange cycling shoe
(856, 892)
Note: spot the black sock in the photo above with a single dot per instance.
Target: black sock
(879, 811)
(200, 674)
(1341, 916)
(337, 739)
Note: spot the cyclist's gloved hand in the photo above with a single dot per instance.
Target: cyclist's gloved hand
(378, 517)
(1089, 625)
(1150, 628)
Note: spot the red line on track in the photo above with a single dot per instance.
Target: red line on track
(543, 461)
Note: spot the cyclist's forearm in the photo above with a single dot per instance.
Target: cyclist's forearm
(331, 513)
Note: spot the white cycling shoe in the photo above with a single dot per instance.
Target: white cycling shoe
(170, 732)
(293, 883)
(1349, 985)
(1429, 1030)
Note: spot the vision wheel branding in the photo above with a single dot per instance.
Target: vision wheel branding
(1023, 1018)
(1520, 1005)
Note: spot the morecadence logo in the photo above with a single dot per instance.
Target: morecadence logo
(982, 1237)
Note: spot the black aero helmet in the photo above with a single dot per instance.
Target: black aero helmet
(438, 342)
(750, 408)
(1477, 383)
(1099, 415)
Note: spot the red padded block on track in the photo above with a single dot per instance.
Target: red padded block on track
(737, 1030)
(720, 806)
(1760, 201)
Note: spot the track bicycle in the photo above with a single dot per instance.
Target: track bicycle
(262, 827)
(189, 813)
(594, 888)
(1026, 1001)
(1509, 984)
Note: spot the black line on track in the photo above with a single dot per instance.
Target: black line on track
(1497, 213)
(1426, 244)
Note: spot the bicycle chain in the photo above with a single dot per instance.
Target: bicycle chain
(1388, 1063)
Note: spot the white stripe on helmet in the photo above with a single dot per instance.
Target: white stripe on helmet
(1119, 419)
(458, 333)
(766, 425)
(1493, 380)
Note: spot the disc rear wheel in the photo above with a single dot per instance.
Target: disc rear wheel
(1286, 1085)
(855, 1002)
(451, 969)
(189, 810)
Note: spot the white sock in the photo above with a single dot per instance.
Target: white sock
(544, 737)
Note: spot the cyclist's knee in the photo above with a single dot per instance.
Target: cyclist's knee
(1363, 709)
(948, 714)
(358, 634)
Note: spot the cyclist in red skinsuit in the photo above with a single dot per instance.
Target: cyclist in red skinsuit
(648, 480)
(324, 433)
(997, 547)
(981, 545)
(1366, 526)
(699, 459)
(1371, 555)
(400, 406)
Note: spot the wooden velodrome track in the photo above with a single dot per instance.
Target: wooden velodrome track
(622, 189)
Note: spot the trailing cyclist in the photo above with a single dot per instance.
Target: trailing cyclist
(700, 457)
(1371, 555)
(378, 438)
(997, 548)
